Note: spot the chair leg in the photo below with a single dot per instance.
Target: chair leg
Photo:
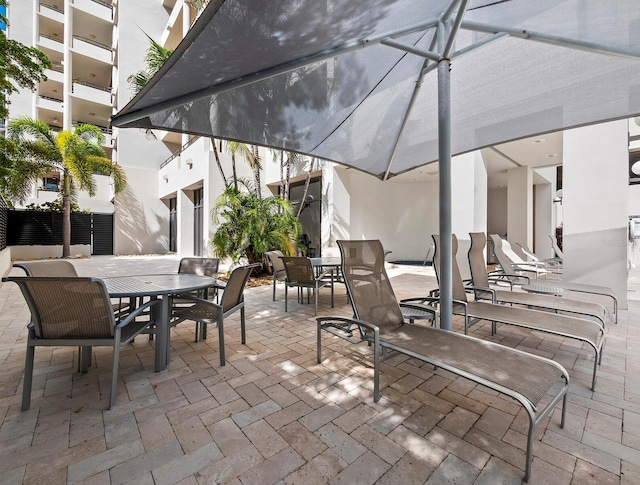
(242, 326)
(28, 378)
(286, 292)
(221, 338)
(85, 358)
(274, 289)
(114, 371)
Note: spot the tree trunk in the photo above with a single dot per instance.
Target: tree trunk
(287, 178)
(66, 216)
(282, 174)
(215, 152)
(256, 171)
(235, 176)
(303, 200)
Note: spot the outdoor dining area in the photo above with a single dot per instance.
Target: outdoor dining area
(275, 396)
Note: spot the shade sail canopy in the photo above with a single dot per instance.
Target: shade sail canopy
(385, 86)
(356, 81)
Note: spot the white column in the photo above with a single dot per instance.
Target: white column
(68, 66)
(468, 203)
(184, 244)
(543, 221)
(520, 207)
(595, 206)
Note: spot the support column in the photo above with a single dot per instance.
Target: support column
(520, 207)
(468, 203)
(595, 204)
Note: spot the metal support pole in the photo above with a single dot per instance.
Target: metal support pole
(444, 157)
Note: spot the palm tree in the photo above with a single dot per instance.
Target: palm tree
(77, 155)
(247, 153)
(154, 59)
(249, 225)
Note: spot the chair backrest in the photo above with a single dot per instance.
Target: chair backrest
(299, 270)
(68, 307)
(477, 265)
(233, 293)
(503, 260)
(58, 267)
(556, 248)
(368, 285)
(277, 265)
(200, 266)
(527, 252)
(457, 286)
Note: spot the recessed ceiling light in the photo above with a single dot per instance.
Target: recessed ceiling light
(54, 90)
(92, 74)
(538, 140)
(92, 114)
(552, 155)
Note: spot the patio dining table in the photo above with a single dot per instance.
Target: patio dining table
(162, 286)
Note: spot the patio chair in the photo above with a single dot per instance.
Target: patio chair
(203, 267)
(301, 275)
(277, 266)
(536, 383)
(538, 268)
(483, 290)
(205, 312)
(58, 267)
(508, 273)
(581, 329)
(74, 311)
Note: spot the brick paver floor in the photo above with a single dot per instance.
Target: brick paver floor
(273, 415)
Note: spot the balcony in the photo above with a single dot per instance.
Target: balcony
(98, 8)
(53, 12)
(92, 92)
(91, 48)
(51, 42)
(54, 75)
(50, 103)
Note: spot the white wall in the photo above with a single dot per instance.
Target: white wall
(520, 207)
(402, 215)
(497, 211)
(595, 206)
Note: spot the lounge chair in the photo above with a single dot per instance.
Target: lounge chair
(484, 291)
(554, 263)
(581, 329)
(378, 320)
(508, 272)
(74, 311)
(538, 268)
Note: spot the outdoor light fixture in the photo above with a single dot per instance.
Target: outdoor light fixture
(635, 168)
(165, 178)
(189, 163)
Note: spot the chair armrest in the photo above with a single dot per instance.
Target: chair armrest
(484, 289)
(349, 321)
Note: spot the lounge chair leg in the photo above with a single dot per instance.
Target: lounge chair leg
(319, 342)
(221, 338)
(595, 368)
(532, 424)
(564, 409)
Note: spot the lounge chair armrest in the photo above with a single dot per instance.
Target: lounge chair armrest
(484, 289)
(420, 300)
(345, 323)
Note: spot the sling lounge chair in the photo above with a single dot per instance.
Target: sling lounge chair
(554, 263)
(378, 319)
(581, 329)
(537, 268)
(508, 272)
(556, 248)
(483, 291)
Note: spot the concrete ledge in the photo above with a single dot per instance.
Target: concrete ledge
(19, 253)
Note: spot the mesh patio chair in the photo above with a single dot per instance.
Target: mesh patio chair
(549, 263)
(301, 275)
(74, 311)
(536, 383)
(205, 312)
(202, 267)
(60, 268)
(277, 266)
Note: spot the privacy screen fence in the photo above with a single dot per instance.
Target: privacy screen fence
(44, 228)
(3, 223)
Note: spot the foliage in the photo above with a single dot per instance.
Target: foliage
(155, 58)
(77, 155)
(249, 225)
(54, 206)
(198, 4)
(20, 66)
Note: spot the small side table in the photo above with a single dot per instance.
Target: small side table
(544, 289)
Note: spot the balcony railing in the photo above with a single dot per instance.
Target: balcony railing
(109, 5)
(50, 37)
(57, 67)
(91, 85)
(177, 153)
(55, 8)
(93, 42)
(51, 98)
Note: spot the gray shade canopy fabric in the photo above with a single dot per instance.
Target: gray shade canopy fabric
(386, 86)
